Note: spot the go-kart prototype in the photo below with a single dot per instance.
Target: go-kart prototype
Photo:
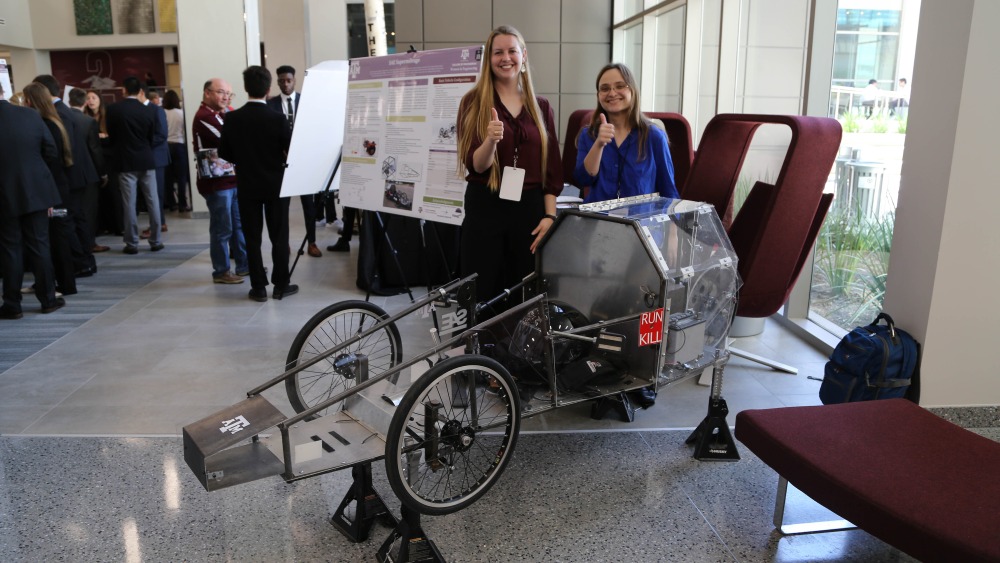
(626, 295)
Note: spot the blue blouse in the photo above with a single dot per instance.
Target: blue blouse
(622, 174)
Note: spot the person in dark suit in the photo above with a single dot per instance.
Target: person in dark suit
(255, 139)
(27, 192)
(80, 176)
(287, 102)
(161, 152)
(92, 131)
(134, 130)
(61, 235)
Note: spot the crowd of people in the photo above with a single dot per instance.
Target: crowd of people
(71, 172)
(507, 145)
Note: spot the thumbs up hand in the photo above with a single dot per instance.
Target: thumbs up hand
(494, 131)
(605, 131)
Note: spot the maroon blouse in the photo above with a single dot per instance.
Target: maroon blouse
(522, 134)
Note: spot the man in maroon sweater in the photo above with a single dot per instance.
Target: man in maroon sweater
(217, 184)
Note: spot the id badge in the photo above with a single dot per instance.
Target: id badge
(512, 183)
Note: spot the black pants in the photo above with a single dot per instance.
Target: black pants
(177, 173)
(309, 216)
(61, 243)
(26, 236)
(83, 246)
(496, 238)
(253, 215)
(327, 207)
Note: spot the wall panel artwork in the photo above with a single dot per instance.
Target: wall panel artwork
(135, 16)
(93, 17)
(168, 16)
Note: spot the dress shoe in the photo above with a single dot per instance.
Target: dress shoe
(156, 247)
(129, 249)
(184, 210)
(227, 278)
(163, 228)
(341, 246)
(258, 294)
(144, 234)
(100, 248)
(84, 272)
(314, 250)
(54, 306)
(290, 289)
(10, 314)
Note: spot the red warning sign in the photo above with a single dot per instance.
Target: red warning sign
(651, 327)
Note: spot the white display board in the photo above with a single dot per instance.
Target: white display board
(401, 141)
(5, 85)
(317, 138)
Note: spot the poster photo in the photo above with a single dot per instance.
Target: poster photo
(211, 165)
(400, 150)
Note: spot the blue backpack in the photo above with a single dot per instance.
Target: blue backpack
(871, 362)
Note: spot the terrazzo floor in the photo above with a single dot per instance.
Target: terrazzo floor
(92, 469)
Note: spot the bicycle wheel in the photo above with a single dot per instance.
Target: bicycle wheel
(327, 329)
(453, 434)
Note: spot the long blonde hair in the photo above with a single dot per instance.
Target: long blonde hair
(478, 102)
(38, 96)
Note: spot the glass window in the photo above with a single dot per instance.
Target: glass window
(669, 73)
(628, 43)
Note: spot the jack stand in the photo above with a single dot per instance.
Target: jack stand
(368, 506)
(414, 545)
(620, 403)
(712, 439)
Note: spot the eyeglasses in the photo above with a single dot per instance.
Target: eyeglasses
(607, 88)
(223, 93)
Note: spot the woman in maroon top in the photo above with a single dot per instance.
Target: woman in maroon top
(504, 132)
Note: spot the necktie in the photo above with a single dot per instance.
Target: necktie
(291, 117)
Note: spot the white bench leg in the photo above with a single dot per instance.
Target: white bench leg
(804, 528)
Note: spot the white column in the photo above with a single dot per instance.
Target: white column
(942, 276)
(212, 43)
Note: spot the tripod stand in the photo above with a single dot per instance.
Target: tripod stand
(323, 198)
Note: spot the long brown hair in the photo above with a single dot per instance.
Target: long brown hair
(99, 114)
(635, 117)
(478, 101)
(38, 96)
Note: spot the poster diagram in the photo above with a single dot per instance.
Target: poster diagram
(400, 150)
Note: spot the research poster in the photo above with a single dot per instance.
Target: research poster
(400, 143)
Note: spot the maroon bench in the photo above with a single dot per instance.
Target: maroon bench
(904, 475)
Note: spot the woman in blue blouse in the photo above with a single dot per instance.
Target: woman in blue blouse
(621, 153)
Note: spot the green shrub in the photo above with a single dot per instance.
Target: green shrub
(881, 124)
(901, 124)
(850, 121)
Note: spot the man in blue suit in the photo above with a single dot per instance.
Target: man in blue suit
(27, 192)
(161, 152)
(134, 130)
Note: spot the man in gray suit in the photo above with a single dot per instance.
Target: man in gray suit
(134, 130)
(27, 192)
